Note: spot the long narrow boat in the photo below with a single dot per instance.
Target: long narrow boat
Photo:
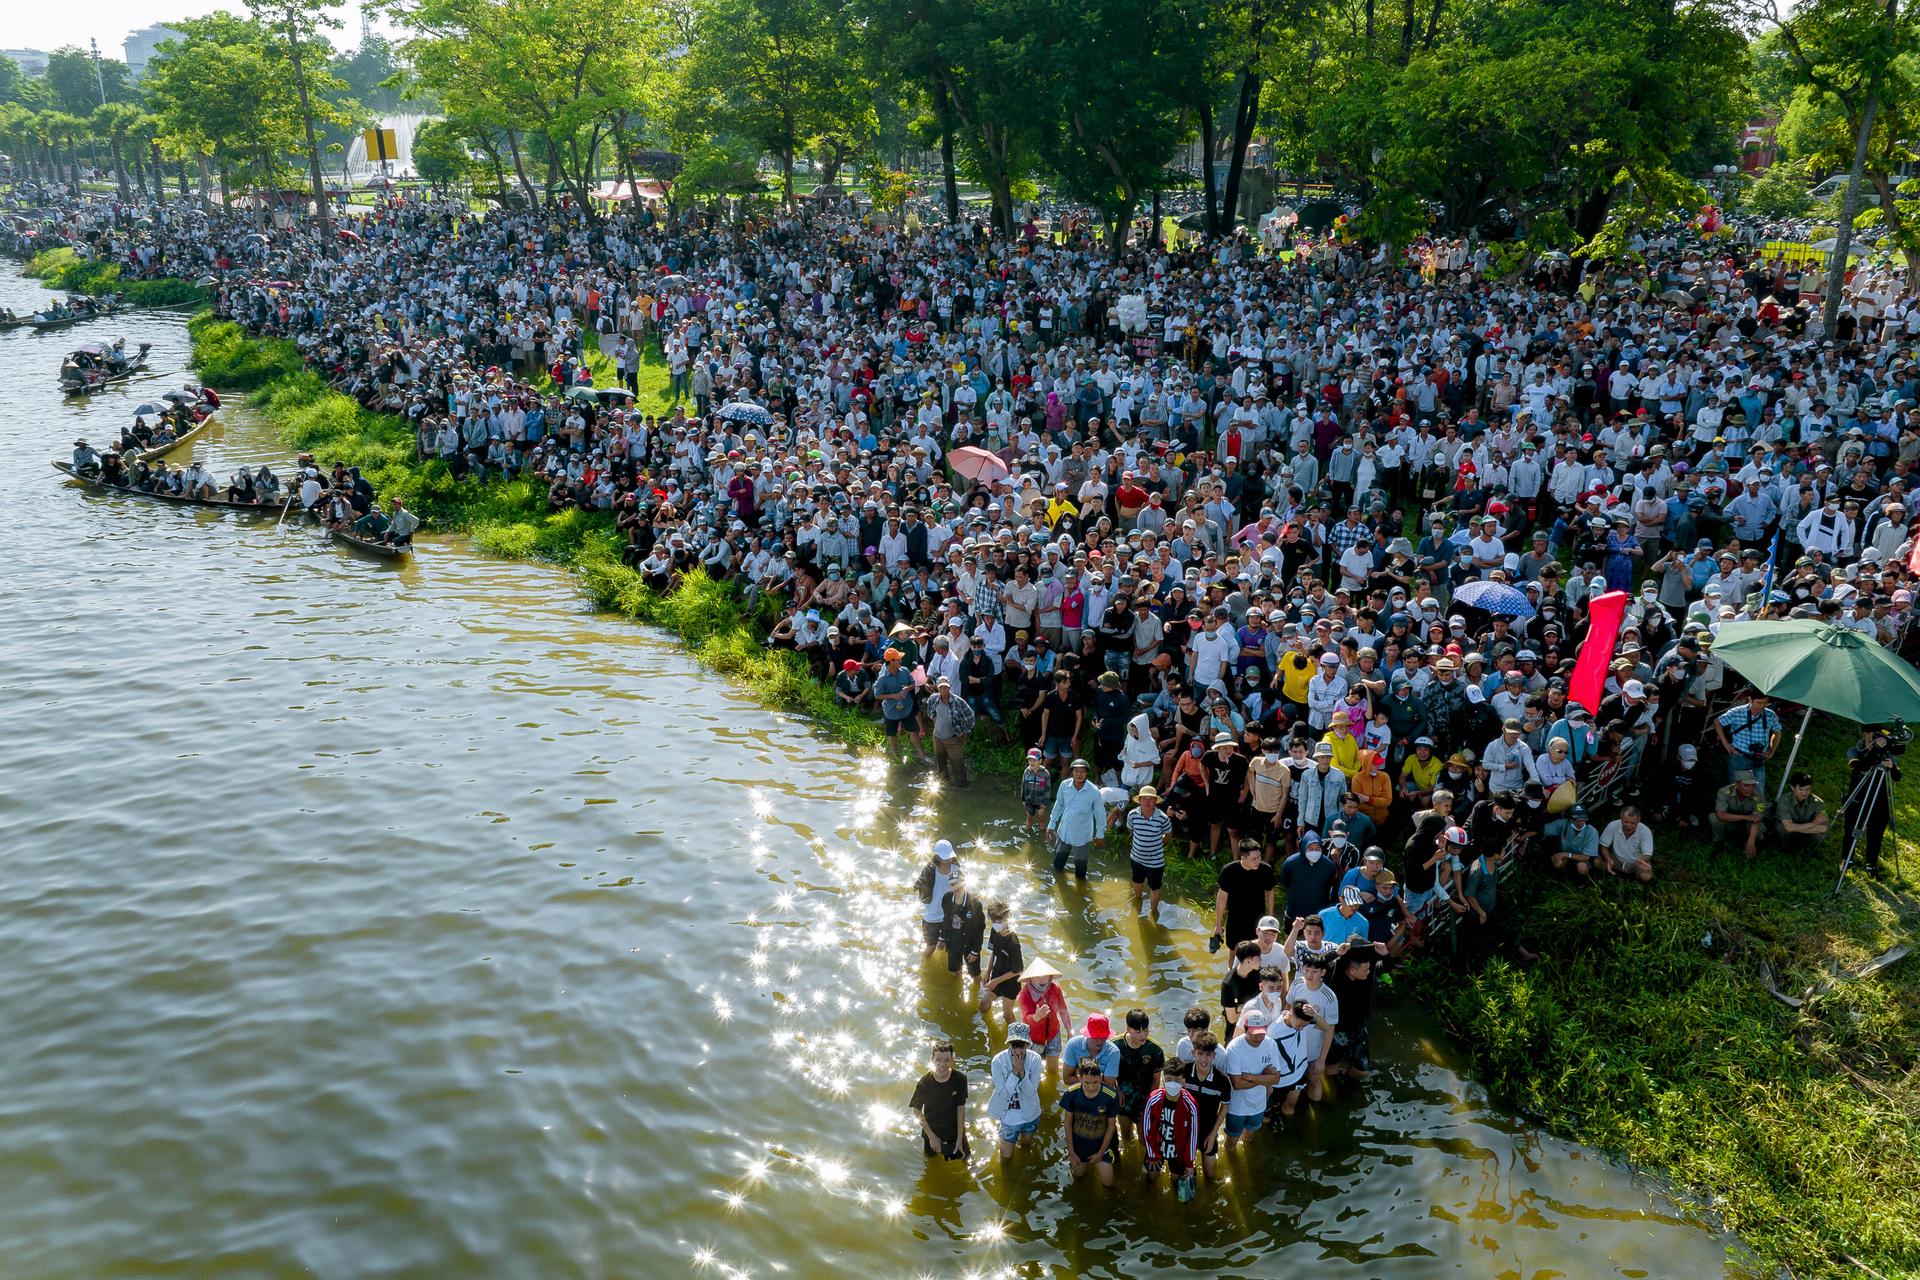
(61, 322)
(165, 449)
(217, 504)
(385, 550)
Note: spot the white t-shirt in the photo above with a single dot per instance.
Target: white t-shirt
(1628, 849)
(940, 886)
(1244, 1058)
(1325, 1001)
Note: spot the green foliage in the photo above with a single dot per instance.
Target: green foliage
(440, 154)
(74, 86)
(723, 166)
(48, 262)
(886, 188)
(1778, 193)
(165, 292)
(66, 272)
(1804, 1131)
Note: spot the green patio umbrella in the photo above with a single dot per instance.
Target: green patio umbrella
(1823, 667)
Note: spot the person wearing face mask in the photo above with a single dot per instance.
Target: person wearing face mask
(1268, 786)
(1170, 1130)
(1308, 878)
(1005, 963)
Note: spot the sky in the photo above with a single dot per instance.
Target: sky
(48, 27)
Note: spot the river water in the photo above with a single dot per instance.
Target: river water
(362, 920)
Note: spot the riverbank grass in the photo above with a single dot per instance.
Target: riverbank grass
(1645, 1032)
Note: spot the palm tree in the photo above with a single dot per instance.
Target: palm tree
(66, 125)
(113, 121)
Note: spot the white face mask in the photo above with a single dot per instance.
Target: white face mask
(1272, 756)
(1002, 926)
(1173, 1088)
(1313, 855)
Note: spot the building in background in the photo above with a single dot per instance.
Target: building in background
(140, 46)
(32, 62)
(1756, 143)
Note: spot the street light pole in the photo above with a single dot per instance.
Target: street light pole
(93, 146)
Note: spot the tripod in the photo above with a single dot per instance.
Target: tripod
(1867, 793)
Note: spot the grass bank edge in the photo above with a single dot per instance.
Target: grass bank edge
(1637, 1040)
(64, 272)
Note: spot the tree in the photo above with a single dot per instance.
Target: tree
(294, 22)
(1849, 54)
(74, 86)
(440, 154)
(1117, 79)
(786, 73)
(112, 121)
(221, 88)
(565, 73)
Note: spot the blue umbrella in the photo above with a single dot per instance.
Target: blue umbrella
(746, 411)
(1495, 597)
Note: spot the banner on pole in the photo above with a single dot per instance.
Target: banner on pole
(381, 145)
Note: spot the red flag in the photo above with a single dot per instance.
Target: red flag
(1913, 561)
(1596, 651)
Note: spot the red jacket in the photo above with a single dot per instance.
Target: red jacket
(1171, 1132)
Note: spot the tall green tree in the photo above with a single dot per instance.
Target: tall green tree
(112, 121)
(74, 85)
(1855, 55)
(789, 74)
(294, 24)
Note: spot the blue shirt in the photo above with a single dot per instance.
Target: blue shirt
(1079, 813)
(1340, 928)
(1108, 1057)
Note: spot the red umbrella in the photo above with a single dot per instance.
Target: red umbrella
(348, 235)
(977, 464)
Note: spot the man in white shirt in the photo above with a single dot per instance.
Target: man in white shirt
(1254, 1064)
(1015, 1102)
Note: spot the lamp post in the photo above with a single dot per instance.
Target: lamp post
(93, 147)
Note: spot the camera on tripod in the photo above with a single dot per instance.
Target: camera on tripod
(1889, 739)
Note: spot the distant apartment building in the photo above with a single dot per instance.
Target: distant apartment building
(32, 62)
(140, 46)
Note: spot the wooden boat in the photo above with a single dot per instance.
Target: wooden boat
(384, 550)
(87, 381)
(165, 449)
(217, 504)
(61, 322)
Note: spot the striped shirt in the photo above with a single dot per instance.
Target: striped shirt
(1150, 836)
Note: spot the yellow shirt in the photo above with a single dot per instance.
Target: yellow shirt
(1296, 676)
(1346, 752)
(1421, 775)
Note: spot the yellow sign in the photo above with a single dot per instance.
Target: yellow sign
(381, 145)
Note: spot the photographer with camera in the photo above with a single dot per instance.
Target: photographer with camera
(1870, 804)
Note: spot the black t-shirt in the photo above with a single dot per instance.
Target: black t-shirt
(1210, 1095)
(1061, 718)
(1004, 952)
(1355, 996)
(1236, 989)
(1224, 777)
(1246, 898)
(941, 1104)
(1136, 1072)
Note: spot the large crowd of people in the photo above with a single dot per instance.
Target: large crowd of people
(1194, 529)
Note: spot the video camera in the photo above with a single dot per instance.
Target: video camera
(1889, 739)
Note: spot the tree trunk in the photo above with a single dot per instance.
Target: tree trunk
(1245, 117)
(226, 191)
(119, 166)
(159, 175)
(206, 186)
(313, 147)
(786, 177)
(1849, 209)
(1212, 222)
(139, 170)
(1155, 237)
(520, 170)
(946, 151)
(183, 179)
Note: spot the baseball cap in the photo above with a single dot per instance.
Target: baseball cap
(1255, 1018)
(1352, 896)
(1268, 922)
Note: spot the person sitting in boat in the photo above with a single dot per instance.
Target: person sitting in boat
(311, 489)
(240, 488)
(267, 483)
(400, 525)
(336, 511)
(113, 468)
(371, 526)
(166, 480)
(142, 477)
(142, 432)
(199, 481)
(85, 461)
(208, 396)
